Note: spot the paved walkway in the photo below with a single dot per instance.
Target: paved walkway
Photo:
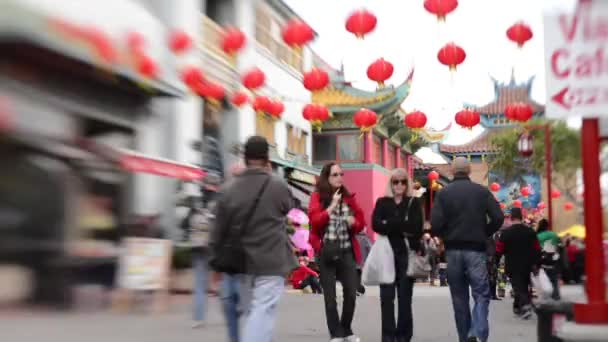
(301, 320)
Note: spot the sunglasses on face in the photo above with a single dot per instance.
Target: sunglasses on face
(399, 181)
(337, 174)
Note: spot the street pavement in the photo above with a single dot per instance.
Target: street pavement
(301, 319)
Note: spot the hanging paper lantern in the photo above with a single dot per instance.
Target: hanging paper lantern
(135, 42)
(517, 204)
(433, 175)
(440, 8)
(275, 109)
(467, 118)
(297, 33)
(253, 79)
(365, 119)
(316, 79)
(451, 55)
(212, 91)
(316, 114)
(520, 33)
(568, 206)
(525, 191)
(415, 120)
(380, 71)
(541, 205)
(555, 194)
(192, 76)
(502, 206)
(261, 104)
(179, 41)
(147, 66)
(233, 40)
(495, 187)
(519, 111)
(361, 22)
(239, 98)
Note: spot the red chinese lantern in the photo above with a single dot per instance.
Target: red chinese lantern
(147, 66)
(467, 118)
(361, 22)
(519, 111)
(440, 8)
(212, 91)
(451, 55)
(502, 206)
(517, 204)
(555, 194)
(316, 79)
(135, 41)
(233, 40)
(297, 33)
(568, 206)
(525, 191)
(316, 114)
(276, 109)
(365, 119)
(253, 79)
(239, 98)
(179, 41)
(192, 76)
(380, 71)
(415, 120)
(261, 104)
(495, 187)
(433, 176)
(520, 33)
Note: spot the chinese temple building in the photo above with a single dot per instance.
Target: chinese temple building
(493, 119)
(367, 158)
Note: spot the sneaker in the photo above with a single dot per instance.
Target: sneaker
(473, 339)
(526, 315)
(198, 324)
(352, 338)
(337, 340)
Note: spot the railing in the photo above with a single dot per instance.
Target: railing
(278, 49)
(302, 159)
(212, 35)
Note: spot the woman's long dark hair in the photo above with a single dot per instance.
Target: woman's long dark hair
(543, 226)
(324, 188)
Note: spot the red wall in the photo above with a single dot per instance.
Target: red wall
(368, 185)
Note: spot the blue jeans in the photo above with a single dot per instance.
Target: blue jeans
(468, 269)
(231, 301)
(261, 295)
(199, 263)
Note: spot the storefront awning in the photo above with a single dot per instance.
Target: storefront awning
(135, 162)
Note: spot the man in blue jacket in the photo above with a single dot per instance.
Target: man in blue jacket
(464, 216)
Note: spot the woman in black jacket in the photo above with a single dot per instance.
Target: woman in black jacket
(399, 217)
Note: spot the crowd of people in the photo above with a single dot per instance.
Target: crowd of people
(464, 245)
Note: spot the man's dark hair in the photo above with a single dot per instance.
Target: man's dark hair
(256, 148)
(516, 214)
(543, 226)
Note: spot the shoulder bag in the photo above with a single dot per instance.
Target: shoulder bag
(418, 266)
(228, 255)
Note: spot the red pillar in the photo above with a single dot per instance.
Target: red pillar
(548, 159)
(398, 160)
(595, 310)
(367, 147)
(385, 157)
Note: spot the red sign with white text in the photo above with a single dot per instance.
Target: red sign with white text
(576, 60)
(137, 164)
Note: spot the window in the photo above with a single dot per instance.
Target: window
(268, 34)
(296, 140)
(264, 126)
(338, 147)
(392, 160)
(377, 151)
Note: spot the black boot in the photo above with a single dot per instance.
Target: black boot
(388, 338)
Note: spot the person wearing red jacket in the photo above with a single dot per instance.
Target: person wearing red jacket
(304, 276)
(335, 219)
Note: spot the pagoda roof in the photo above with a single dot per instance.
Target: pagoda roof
(342, 97)
(507, 93)
(481, 144)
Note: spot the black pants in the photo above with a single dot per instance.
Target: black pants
(553, 275)
(520, 280)
(403, 330)
(313, 282)
(345, 271)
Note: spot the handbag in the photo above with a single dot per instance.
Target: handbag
(228, 255)
(418, 266)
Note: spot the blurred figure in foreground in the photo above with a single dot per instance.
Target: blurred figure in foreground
(550, 256)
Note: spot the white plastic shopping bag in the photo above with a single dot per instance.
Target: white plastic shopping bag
(542, 284)
(379, 267)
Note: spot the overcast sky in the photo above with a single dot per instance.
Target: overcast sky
(410, 37)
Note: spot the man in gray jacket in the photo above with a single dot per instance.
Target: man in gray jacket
(269, 257)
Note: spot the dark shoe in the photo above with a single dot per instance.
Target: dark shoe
(389, 339)
(496, 298)
(473, 339)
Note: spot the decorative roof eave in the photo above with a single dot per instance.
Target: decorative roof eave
(341, 98)
(479, 145)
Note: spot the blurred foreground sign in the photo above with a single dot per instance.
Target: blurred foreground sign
(144, 264)
(576, 60)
